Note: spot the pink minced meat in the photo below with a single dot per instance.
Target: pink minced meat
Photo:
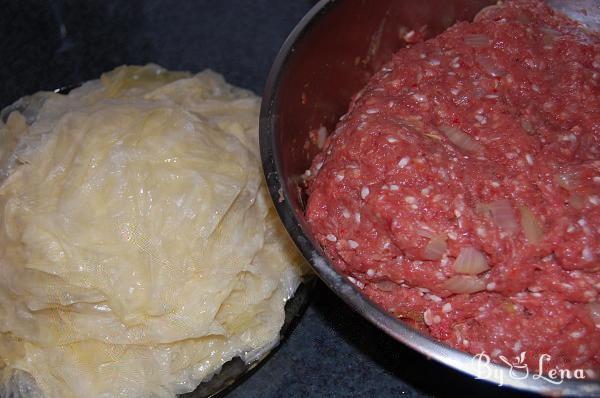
(486, 137)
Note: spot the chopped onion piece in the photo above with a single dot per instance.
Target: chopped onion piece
(528, 127)
(477, 40)
(412, 122)
(464, 284)
(483, 209)
(531, 226)
(490, 66)
(486, 12)
(569, 180)
(425, 233)
(460, 139)
(524, 19)
(436, 248)
(549, 35)
(321, 137)
(386, 286)
(471, 261)
(503, 215)
(577, 201)
(595, 313)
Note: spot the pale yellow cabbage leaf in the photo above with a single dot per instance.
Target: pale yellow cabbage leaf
(139, 250)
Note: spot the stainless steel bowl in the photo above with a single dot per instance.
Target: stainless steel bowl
(326, 59)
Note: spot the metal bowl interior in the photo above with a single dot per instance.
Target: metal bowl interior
(328, 57)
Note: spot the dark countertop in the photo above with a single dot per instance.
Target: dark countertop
(47, 44)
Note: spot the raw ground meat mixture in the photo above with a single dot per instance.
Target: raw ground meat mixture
(461, 192)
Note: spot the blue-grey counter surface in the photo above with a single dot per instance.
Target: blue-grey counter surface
(46, 44)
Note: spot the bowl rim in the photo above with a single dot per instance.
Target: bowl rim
(341, 286)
